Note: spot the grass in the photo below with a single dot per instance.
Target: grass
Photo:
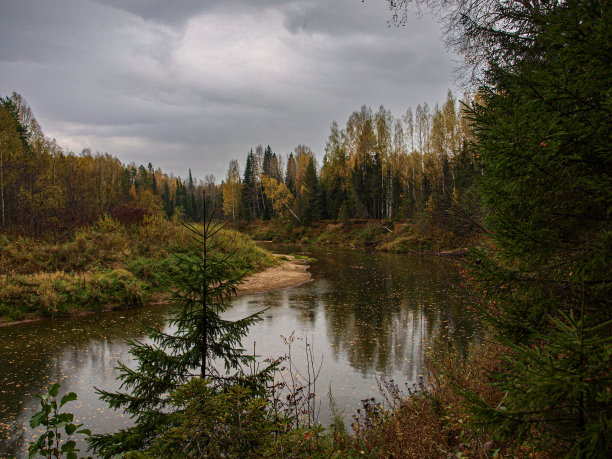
(388, 236)
(59, 293)
(431, 420)
(106, 265)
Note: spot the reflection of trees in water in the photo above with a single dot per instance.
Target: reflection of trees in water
(309, 303)
(380, 311)
(33, 355)
(306, 302)
(383, 311)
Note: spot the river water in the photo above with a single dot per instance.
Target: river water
(367, 315)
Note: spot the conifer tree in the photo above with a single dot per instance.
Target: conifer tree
(166, 200)
(544, 129)
(249, 189)
(310, 195)
(267, 170)
(199, 342)
(291, 174)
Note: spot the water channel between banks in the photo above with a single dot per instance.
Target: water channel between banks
(366, 314)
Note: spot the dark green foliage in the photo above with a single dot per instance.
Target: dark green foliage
(167, 201)
(217, 422)
(250, 205)
(558, 389)
(290, 174)
(544, 132)
(235, 422)
(204, 281)
(50, 443)
(267, 170)
(22, 115)
(188, 199)
(311, 196)
(152, 179)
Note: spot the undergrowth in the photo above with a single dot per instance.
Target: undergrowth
(388, 236)
(106, 265)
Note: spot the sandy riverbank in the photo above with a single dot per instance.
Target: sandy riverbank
(290, 273)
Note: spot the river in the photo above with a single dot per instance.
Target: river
(366, 315)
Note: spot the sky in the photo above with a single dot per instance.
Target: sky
(192, 84)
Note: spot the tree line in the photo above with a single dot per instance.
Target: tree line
(46, 189)
(377, 167)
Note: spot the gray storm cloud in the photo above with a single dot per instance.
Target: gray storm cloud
(195, 84)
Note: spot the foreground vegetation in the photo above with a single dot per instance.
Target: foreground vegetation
(105, 265)
(242, 419)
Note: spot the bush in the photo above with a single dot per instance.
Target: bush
(103, 265)
(209, 422)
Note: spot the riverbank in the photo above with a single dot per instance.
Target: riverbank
(386, 236)
(105, 266)
(428, 420)
(291, 273)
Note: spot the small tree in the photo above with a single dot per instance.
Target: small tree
(204, 284)
(309, 194)
(50, 443)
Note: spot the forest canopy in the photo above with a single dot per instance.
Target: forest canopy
(377, 167)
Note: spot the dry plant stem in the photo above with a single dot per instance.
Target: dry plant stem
(301, 401)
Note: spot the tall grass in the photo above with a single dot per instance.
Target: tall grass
(104, 265)
(387, 236)
(431, 420)
(59, 293)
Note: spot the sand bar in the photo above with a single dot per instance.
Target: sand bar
(290, 273)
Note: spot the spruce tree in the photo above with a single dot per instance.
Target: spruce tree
(290, 174)
(267, 170)
(167, 200)
(543, 128)
(200, 343)
(310, 198)
(249, 190)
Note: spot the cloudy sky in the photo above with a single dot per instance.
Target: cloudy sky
(195, 83)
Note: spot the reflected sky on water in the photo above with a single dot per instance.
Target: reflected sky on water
(365, 314)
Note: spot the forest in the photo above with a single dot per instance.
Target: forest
(47, 191)
(377, 167)
(524, 165)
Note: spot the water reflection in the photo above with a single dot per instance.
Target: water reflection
(365, 313)
(80, 353)
(382, 310)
